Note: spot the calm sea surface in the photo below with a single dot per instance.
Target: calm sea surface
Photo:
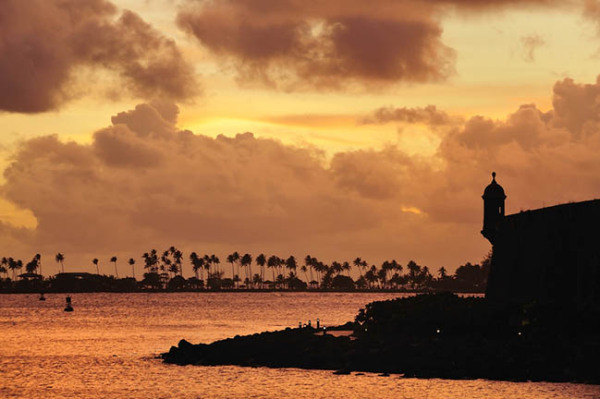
(106, 349)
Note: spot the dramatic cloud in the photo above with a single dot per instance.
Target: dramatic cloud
(335, 44)
(294, 43)
(142, 183)
(577, 107)
(44, 42)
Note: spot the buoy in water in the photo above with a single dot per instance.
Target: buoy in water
(69, 307)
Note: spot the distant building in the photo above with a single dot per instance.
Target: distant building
(75, 276)
(30, 276)
(543, 255)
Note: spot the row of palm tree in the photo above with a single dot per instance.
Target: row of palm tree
(13, 265)
(114, 260)
(35, 265)
(161, 267)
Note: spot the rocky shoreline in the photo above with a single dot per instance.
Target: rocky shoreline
(428, 336)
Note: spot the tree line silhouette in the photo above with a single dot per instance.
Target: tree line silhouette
(164, 271)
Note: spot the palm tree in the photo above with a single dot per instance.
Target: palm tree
(195, 261)
(281, 265)
(364, 265)
(346, 266)
(320, 269)
(233, 258)
(232, 261)
(272, 263)
(291, 264)
(397, 267)
(132, 263)
(178, 255)
(201, 266)
(371, 276)
(31, 266)
(387, 267)
(414, 271)
(154, 260)
(304, 270)
(246, 261)
(147, 261)
(208, 263)
(358, 263)
(256, 280)
(95, 262)
(4, 265)
(19, 264)
(165, 262)
(173, 269)
(280, 280)
(14, 265)
(151, 261)
(60, 258)
(38, 260)
(261, 260)
(336, 267)
(308, 263)
(426, 276)
(236, 258)
(214, 259)
(382, 276)
(442, 273)
(206, 266)
(327, 275)
(114, 260)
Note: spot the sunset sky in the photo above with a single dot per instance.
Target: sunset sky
(336, 128)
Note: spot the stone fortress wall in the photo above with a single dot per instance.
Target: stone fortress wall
(544, 255)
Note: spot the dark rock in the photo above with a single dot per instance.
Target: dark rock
(400, 337)
(184, 345)
(341, 372)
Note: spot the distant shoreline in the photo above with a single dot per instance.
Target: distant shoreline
(240, 291)
(165, 273)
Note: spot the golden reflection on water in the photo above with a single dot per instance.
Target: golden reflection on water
(105, 349)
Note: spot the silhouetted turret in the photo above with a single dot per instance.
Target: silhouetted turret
(493, 209)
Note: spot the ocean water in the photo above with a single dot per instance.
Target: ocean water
(106, 348)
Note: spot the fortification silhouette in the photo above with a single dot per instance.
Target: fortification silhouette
(542, 255)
